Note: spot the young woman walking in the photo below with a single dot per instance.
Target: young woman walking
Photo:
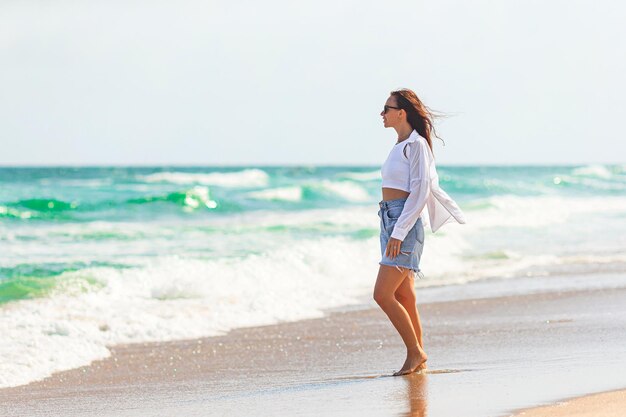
(410, 184)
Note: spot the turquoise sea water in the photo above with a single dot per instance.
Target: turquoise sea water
(97, 256)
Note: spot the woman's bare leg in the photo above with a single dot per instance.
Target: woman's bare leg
(405, 294)
(388, 281)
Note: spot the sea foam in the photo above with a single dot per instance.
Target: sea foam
(599, 171)
(176, 298)
(361, 176)
(278, 194)
(238, 179)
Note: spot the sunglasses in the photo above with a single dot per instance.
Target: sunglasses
(386, 108)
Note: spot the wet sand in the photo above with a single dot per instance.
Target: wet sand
(504, 347)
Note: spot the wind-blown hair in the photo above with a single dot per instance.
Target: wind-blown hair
(418, 115)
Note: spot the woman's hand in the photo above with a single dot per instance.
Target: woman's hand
(393, 247)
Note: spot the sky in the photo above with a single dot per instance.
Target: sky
(234, 82)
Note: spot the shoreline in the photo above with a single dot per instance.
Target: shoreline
(350, 353)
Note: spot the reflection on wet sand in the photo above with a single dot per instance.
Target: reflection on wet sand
(417, 394)
(417, 390)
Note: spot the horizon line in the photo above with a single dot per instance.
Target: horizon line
(272, 165)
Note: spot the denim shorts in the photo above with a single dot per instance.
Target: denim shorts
(412, 245)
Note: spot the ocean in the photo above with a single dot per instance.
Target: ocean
(91, 257)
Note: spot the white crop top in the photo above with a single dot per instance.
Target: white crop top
(395, 170)
(410, 167)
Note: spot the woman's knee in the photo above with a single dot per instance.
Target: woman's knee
(387, 282)
(382, 297)
(405, 297)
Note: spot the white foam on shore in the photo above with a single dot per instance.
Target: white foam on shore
(176, 298)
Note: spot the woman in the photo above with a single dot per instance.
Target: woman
(410, 184)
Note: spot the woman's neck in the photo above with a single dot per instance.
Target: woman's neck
(404, 132)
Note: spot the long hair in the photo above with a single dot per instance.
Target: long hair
(419, 116)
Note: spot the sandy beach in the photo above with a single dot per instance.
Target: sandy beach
(605, 404)
(495, 348)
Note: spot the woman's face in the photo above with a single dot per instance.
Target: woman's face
(391, 114)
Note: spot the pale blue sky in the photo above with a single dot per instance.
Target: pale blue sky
(279, 82)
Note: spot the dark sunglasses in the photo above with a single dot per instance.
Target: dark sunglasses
(386, 108)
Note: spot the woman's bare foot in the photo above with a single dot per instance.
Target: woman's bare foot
(415, 359)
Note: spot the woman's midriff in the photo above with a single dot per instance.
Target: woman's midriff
(393, 193)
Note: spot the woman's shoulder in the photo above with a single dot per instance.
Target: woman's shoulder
(415, 146)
